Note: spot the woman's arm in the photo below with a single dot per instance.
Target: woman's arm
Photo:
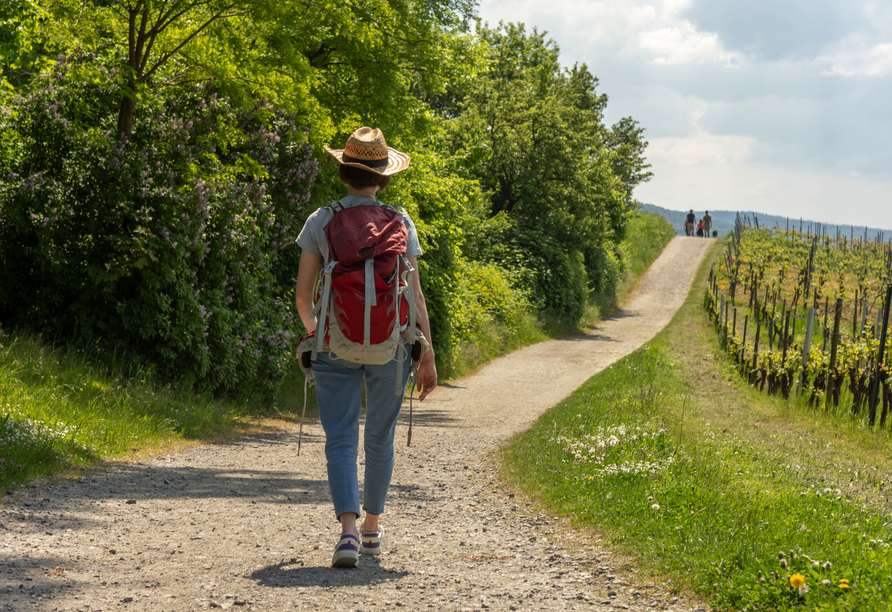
(427, 369)
(306, 282)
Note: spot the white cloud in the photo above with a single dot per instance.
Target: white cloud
(700, 150)
(654, 29)
(876, 61)
(683, 44)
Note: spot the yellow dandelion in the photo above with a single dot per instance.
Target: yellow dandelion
(844, 583)
(797, 581)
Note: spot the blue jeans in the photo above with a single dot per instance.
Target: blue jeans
(339, 396)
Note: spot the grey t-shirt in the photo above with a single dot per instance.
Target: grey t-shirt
(312, 237)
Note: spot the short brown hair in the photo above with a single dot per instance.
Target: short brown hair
(359, 178)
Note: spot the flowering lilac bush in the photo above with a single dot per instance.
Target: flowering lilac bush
(178, 244)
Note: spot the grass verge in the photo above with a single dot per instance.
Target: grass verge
(59, 410)
(749, 502)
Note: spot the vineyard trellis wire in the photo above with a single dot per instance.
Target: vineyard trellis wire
(820, 303)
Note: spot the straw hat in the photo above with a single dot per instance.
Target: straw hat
(367, 149)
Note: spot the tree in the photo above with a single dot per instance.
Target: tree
(333, 63)
(23, 50)
(532, 133)
(626, 139)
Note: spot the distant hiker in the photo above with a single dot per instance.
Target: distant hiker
(367, 253)
(707, 223)
(700, 228)
(689, 223)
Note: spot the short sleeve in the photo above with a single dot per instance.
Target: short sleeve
(413, 247)
(311, 236)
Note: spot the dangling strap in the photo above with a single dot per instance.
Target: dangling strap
(401, 352)
(323, 307)
(370, 300)
(414, 377)
(300, 434)
(409, 277)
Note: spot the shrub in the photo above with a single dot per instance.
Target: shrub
(553, 277)
(178, 244)
(605, 267)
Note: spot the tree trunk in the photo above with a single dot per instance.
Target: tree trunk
(125, 116)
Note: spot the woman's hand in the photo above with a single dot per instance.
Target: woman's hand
(427, 375)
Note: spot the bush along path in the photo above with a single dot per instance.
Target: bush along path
(248, 524)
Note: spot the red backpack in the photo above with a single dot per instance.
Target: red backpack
(365, 307)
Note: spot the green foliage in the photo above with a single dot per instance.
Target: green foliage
(553, 277)
(178, 243)
(775, 276)
(494, 315)
(605, 267)
(23, 48)
(646, 237)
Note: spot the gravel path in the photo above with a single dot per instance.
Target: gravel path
(248, 525)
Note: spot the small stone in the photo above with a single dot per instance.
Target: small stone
(127, 600)
(131, 501)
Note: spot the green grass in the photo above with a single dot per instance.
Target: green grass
(723, 491)
(646, 237)
(58, 410)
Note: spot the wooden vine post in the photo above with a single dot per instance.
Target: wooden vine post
(875, 388)
(756, 344)
(834, 347)
(806, 348)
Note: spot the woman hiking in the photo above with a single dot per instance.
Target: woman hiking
(366, 165)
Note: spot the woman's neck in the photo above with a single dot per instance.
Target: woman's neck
(365, 192)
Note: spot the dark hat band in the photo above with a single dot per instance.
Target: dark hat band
(371, 163)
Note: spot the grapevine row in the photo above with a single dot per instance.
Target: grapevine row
(807, 313)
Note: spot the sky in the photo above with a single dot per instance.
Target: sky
(776, 106)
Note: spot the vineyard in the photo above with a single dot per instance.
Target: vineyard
(805, 313)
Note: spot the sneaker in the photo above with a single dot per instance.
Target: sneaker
(346, 553)
(371, 541)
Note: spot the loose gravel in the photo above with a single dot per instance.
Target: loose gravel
(249, 525)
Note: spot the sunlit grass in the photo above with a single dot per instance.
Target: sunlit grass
(59, 409)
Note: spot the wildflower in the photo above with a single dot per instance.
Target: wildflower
(655, 507)
(797, 581)
(783, 563)
(827, 566)
(844, 583)
(826, 582)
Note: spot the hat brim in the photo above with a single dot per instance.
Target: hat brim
(397, 161)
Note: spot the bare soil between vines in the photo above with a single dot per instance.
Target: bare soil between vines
(249, 525)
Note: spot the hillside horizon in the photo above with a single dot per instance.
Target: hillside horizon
(723, 222)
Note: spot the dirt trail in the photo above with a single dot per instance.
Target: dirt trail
(249, 525)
